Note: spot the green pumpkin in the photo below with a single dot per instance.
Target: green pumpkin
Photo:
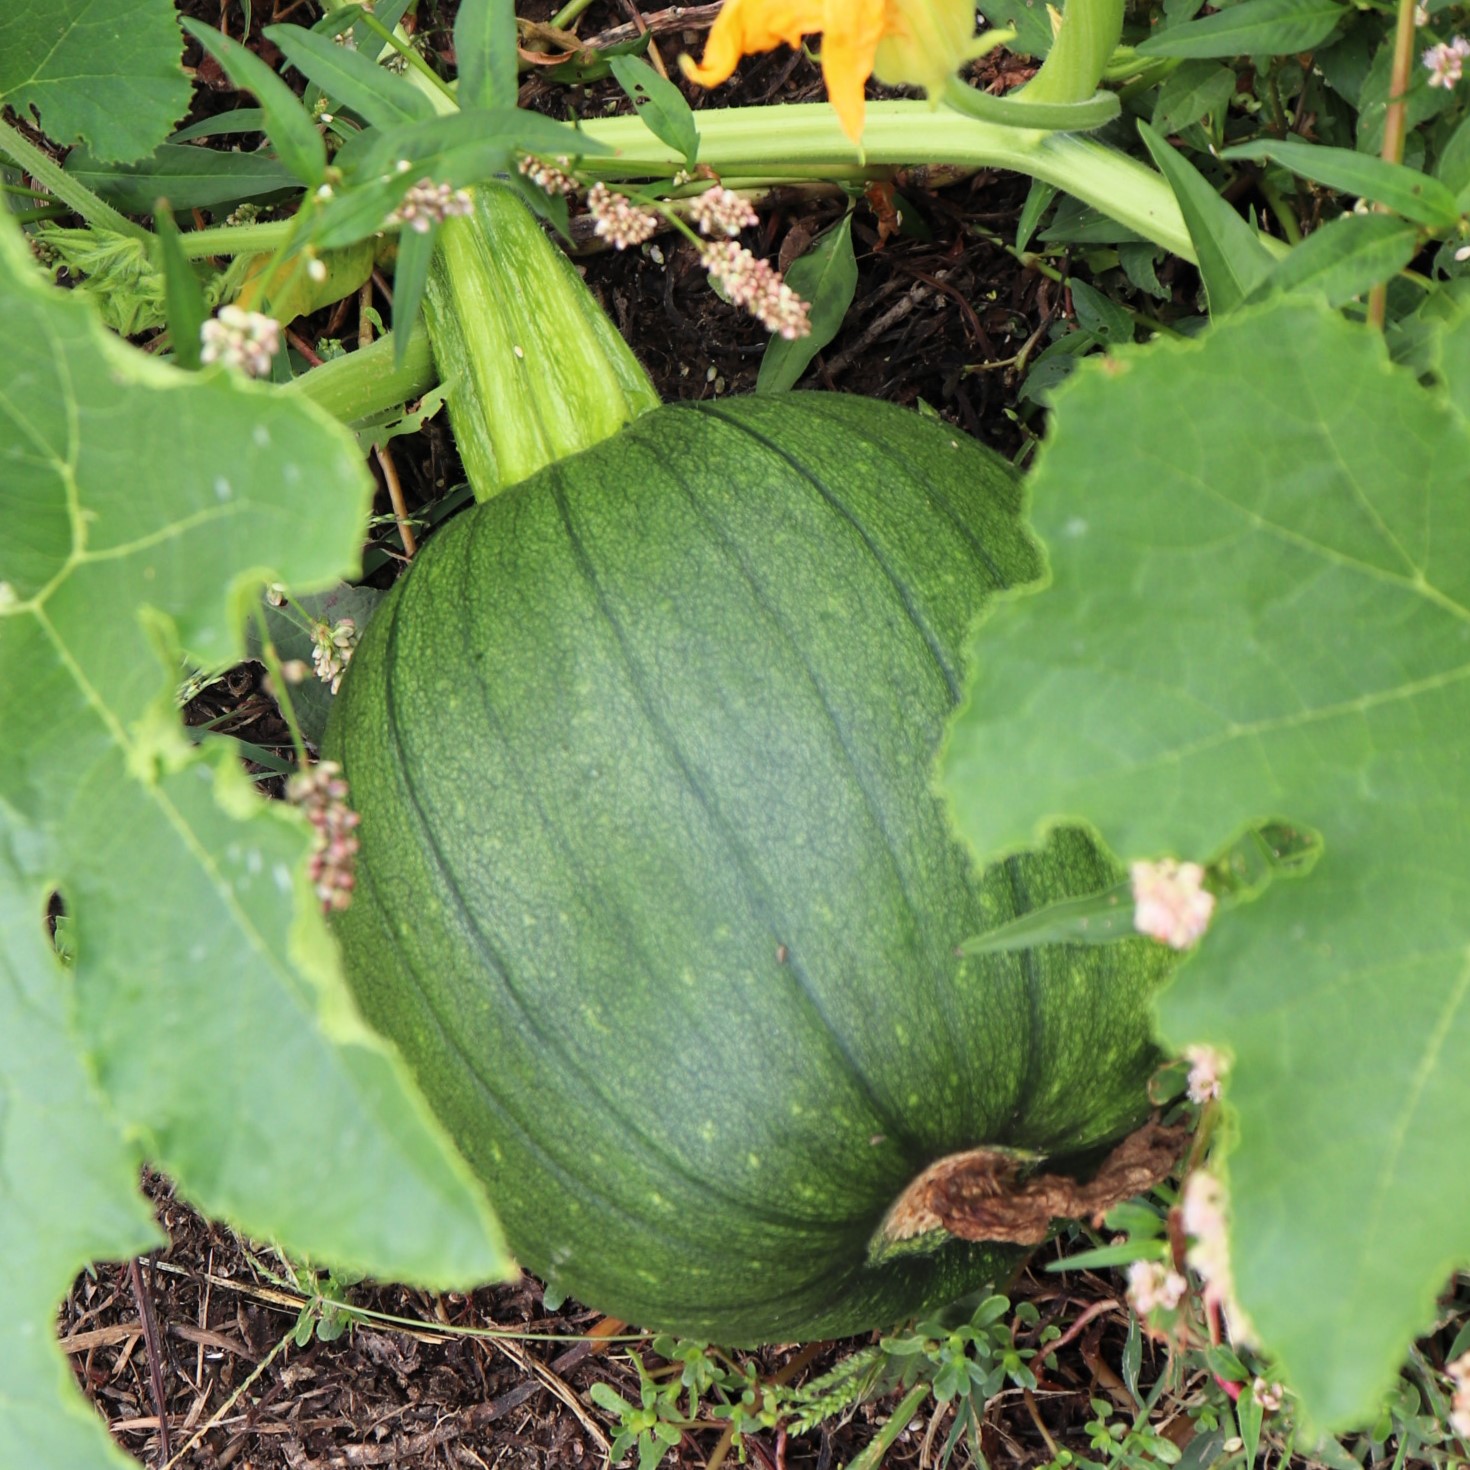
(655, 893)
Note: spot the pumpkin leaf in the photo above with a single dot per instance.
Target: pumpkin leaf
(68, 1192)
(105, 72)
(1272, 624)
(205, 998)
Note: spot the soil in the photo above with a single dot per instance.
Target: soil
(207, 1338)
(191, 1355)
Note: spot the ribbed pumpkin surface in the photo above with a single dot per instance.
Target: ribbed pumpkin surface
(655, 894)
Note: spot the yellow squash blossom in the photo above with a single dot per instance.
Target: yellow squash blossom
(916, 43)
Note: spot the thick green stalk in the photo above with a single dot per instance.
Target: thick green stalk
(71, 192)
(805, 140)
(366, 382)
(533, 369)
(1089, 33)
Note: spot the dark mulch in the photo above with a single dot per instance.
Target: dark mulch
(941, 309)
(235, 1388)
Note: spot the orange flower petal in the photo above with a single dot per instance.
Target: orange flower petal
(850, 37)
(747, 26)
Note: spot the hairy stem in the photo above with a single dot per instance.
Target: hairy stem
(76, 195)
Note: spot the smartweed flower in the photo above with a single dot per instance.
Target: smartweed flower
(321, 792)
(1153, 1287)
(242, 339)
(427, 204)
(721, 211)
(1459, 1372)
(918, 43)
(550, 178)
(1170, 902)
(617, 219)
(332, 648)
(1206, 1067)
(1446, 62)
(757, 286)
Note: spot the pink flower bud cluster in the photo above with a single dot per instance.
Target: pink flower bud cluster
(1204, 1215)
(1206, 1067)
(1171, 904)
(1269, 1394)
(247, 340)
(1446, 62)
(617, 219)
(321, 792)
(552, 178)
(1459, 1371)
(757, 286)
(427, 204)
(721, 211)
(332, 650)
(1154, 1287)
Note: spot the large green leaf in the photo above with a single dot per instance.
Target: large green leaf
(104, 72)
(142, 506)
(68, 1193)
(1260, 607)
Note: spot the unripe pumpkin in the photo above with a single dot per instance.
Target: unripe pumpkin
(655, 893)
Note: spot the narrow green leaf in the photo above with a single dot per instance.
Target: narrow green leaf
(1421, 101)
(190, 178)
(1105, 319)
(348, 77)
(660, 104)
(1232, 259)
(1038, 197)
(1122, 1254)
(1453, 167)
(386, 12)
(1260, 576)
(107, 73)
(826, 277)
(1248, 1415)
(461, 147)
(410, 274)
(485, 49)
(1406, 191)
(1344, 258)
(1254, 28)
(1140, 261)
(1196, 90)
(1094, 918)
(292, 132)
(183, 296)
(238, 120)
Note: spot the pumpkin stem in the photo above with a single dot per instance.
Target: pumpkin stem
(989, 1194)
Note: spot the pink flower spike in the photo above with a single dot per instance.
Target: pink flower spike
(617, 219)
